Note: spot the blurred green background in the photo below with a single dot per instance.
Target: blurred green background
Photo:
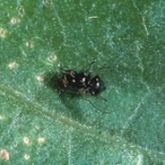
(126, 38)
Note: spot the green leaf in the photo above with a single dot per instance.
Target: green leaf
(125, 39)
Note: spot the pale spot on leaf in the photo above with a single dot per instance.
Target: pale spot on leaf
(52, 57)
(26, 156)
(93, 17)
(21, 11)
(40, 78)
(37, 127)
(15, 21)
(3, 33)
(1, 118)
(26, 141)
(41, 140)
(4, 154)
(29, 44)
(13, 65)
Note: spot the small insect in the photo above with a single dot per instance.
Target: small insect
(81, 82)
(71, 84)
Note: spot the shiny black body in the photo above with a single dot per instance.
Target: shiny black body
(81, 82)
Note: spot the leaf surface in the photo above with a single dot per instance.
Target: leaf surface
(125, 39)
